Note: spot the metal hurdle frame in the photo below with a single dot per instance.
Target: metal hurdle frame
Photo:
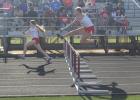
(72, 58)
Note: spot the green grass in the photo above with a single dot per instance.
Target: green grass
(54, 39)
(131, 97)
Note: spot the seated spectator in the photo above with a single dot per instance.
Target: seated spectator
(62, 17)
(104, 13)
(48, 17)
(115, 1)
(16, 3)
(1, 3)
(24, 7)
(121, 8)
(8, 7)
(113, 16)
(32, 13)
(18, 12)
(119, 19)
(55, 5)
(89, 8)
(81, 3)
(105, 17)
(68, 4)
(93, 2)
(109, 8)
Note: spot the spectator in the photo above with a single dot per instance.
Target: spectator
(109, 8)
(55, 5)
(125, 24)
(48, 17)
(24, 7)
(121, 8)
(16, 3)
(115, 1)
(104, 16)
(32, 13)
(62, 17)
(89, 8)
(81, 3)
(68, 5)
(1, 3)
(18, 12)
(49, 2)
(8, 7)
(93, 2)
(114, 16)
(119, 19)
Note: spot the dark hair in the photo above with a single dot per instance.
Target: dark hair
(62, 8)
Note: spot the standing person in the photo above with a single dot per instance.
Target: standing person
(86, 29)
(125, 24)
(34, 31)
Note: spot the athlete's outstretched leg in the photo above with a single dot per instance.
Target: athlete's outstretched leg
(41, 50)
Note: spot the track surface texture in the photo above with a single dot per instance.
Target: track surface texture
(119, 74)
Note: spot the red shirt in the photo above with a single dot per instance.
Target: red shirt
(125, 23)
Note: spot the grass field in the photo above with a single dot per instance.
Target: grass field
(131, 97)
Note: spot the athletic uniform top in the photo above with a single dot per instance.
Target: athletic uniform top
(33, 31)
(85, 21)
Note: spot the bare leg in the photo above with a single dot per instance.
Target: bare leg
(85, 35)
(85, 38)
(41, 50)
(31, 43)
(75, 32)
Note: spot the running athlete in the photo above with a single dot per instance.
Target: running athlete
(86, 29)
(34, 31)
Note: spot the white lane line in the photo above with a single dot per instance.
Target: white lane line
(97, 67)
(119, 77)
(36, 79)
(33, 73)
(129, 84)
(117, 72)
(47, 94)
(108, 63)
(25, 86)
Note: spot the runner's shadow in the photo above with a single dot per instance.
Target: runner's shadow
(116, 93)
(40, 69)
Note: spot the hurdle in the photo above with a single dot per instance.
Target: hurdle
(5, 44)
(72, 58)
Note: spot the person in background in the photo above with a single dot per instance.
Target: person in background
(125, 24)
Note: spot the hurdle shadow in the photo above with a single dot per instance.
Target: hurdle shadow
(40, 69)
(116, 93)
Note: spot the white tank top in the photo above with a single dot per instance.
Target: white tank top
(86, 21)
(34, 32)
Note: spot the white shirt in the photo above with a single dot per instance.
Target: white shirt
(114, 15)
(33, 31)
(86, 21)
